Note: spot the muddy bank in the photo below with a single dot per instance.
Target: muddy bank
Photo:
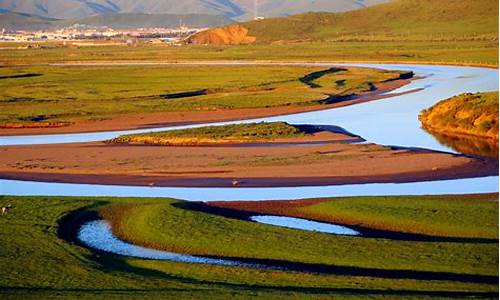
(324, 158)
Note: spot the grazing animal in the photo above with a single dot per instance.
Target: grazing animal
(5, 209)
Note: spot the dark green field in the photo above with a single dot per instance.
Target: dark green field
(37, 261)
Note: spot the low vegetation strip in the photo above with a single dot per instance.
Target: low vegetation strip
(465, 114)
(237, 133)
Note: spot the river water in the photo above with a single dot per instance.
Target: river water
(392, 121)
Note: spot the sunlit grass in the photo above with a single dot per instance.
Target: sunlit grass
(76, 93)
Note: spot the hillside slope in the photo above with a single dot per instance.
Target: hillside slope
(21, 21)
(228, 35)
(401, 19)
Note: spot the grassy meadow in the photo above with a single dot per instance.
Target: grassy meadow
(42, 261)
(352, 49)
(52, 93)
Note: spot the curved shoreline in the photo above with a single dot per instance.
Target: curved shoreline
(70, 225)
(460, 172)
(99, 236)
(242, 210)
(293, 162)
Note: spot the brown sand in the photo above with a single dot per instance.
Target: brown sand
(329, 163)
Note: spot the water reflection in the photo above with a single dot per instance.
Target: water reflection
(469, 145)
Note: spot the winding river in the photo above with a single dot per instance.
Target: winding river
(392, 121)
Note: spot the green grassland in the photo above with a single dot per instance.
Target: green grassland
(51, 93)
(367, 49)
(36, 263)
(469, 114)
(252, 132)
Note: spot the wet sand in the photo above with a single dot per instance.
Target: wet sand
(164, 119)
(324, 158)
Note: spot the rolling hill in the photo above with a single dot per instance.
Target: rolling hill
(400, 19)
(237, 9)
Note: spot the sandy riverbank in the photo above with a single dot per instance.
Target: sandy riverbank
(324, 158)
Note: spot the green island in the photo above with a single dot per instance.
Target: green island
(465, 114)
(42, 258)
(34, 94)
(234, 133)
(467, 123)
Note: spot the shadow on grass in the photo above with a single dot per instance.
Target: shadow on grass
(365, 231)
(310, 78)
(28, 75)
(70, 224)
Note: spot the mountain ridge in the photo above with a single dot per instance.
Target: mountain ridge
(236, 9)
(23, 21)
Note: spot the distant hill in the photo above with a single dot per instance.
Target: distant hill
(407, 19)
(21, 21)
(236, 9)
(131, 20)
